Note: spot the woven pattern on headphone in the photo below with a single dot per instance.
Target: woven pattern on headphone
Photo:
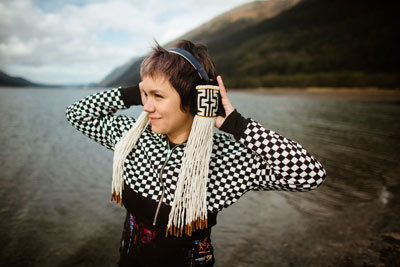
(207, 100)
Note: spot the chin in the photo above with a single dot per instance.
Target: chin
(156, 130)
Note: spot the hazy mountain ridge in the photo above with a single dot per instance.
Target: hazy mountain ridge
(7, 80)
(114, 78)
(217, 28)
(301, 43)
(12, 81)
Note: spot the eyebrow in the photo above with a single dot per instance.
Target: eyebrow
(153, 91)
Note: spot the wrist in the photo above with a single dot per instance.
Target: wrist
(235, 124)
(131, 96)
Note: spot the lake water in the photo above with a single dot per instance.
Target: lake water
(55, 186)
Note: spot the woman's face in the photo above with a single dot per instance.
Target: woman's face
(163, 104)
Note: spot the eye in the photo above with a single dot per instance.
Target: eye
(158, 96)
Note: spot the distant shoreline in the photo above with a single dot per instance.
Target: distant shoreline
(346, 93)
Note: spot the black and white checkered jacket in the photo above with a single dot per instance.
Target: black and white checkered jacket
(256, 159)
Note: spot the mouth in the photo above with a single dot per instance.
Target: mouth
(154, 119)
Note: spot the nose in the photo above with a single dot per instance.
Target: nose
(149, 105)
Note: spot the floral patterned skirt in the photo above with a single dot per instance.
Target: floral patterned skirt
(144, 245)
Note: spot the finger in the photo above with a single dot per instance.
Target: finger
(226, 102)
(222, 89)
(224, 95)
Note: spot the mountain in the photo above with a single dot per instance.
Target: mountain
(124, 75)
(316, 43)
(11, 81)
(221, 26)
(235, 20)
(6, 80)
(302, 43)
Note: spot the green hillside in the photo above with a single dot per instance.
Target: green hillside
(236, 19)
(310, 43)
(316, 43)
(219, 27)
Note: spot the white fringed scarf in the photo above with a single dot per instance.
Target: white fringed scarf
(189, 207)
(121, 151)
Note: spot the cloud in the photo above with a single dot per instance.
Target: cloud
(81, 41)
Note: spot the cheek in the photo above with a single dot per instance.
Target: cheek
(176, 116)
(172, 107)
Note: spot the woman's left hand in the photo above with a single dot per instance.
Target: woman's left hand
(226, 103)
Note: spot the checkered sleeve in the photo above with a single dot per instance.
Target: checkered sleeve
(288, 165)
(95, 117)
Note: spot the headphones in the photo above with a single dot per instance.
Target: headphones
(200, 70)
(192, 60)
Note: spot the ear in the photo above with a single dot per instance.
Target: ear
(189, 109)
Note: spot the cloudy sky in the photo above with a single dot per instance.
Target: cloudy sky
(81, 41)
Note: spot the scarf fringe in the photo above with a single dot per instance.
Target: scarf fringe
(188, 229)
(121, 151)
(189, 208)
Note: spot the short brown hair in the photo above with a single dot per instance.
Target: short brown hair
(179, 72)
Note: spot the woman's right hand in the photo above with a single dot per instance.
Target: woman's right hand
(226, 103)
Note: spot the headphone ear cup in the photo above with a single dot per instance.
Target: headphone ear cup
(193, 103)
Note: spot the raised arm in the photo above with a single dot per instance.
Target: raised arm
(95, 116)
(285, 165)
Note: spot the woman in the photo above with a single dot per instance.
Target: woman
(170, 213)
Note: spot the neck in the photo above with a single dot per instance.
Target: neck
(182, 135)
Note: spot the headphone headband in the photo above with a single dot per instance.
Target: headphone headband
(192, 60)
